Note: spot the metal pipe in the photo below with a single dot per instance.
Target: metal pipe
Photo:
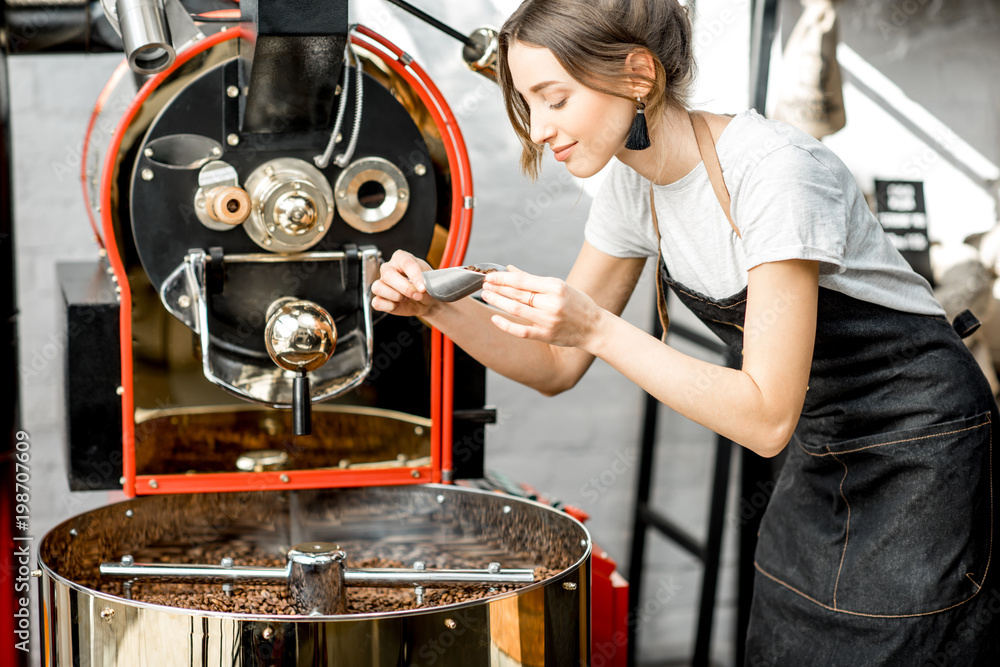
(146, 35)
(407, 578)
(359, 577)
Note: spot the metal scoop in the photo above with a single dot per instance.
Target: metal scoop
(455, 283)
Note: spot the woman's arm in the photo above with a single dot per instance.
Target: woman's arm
(757, 406)
(603, 282)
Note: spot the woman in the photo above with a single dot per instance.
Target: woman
(876, 546)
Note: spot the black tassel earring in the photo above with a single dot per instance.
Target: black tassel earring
(638, 135)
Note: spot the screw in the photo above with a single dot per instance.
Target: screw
(233, 91)
(341, 194)
(216, 151)
(184, 301)
(420, 566)
(569, 585)
(506, 509)
(233, 139)
(440, 499)
(107, 613)
(420, 170)
(296, 185)
(36, 573)
(269, 171)
(120, 390)
(129, 513)
(147, 174)
(450, 624)
(494, 568)
(340, 137)
(284, 479)
(267, 241)
(404, 195)
(321, 228)
(153, 484)
(226, 562)
(148, 152)
(267, 633)
(127, 559)
(415, 474)
(72, 532)
(418, 430)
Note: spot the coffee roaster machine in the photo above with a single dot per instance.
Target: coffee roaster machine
(246, 171)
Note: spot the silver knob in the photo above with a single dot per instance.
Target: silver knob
(300, 336)
(295, 213)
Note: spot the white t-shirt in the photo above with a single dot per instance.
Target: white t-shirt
(792, 198)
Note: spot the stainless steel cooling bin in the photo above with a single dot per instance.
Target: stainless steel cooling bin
(540, 623)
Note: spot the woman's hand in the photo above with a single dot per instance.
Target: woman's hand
(400, 290)
(548, 309)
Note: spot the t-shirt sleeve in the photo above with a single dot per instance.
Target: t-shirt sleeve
(620, 223)
(792, 206)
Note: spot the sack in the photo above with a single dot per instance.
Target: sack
(811, 95)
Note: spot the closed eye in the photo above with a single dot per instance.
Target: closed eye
(558, 105)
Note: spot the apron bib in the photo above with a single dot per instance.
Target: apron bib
(875, 548)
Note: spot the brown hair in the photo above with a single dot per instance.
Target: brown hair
(592, 40)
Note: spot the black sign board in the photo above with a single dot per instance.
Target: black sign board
(901, 211)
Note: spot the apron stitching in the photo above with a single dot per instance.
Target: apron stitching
(989, 557)
(859, 613)
(895, 442)
(705, 300)
(847, 530)
(730, 324)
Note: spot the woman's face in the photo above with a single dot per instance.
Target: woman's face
(583, 127)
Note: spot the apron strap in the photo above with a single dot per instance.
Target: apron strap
(706, 146)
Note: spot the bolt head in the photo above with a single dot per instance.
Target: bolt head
(233, 91)
(415, 474)
(107, 614)
(148, 152)
(569, 585)
(153, 484)
(420, 170)
(184, 301)
(284, 479)
(450, 624)
(267, 633)
(147, 174)
(233, 139)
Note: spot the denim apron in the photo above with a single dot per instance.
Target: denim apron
(876, 546)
